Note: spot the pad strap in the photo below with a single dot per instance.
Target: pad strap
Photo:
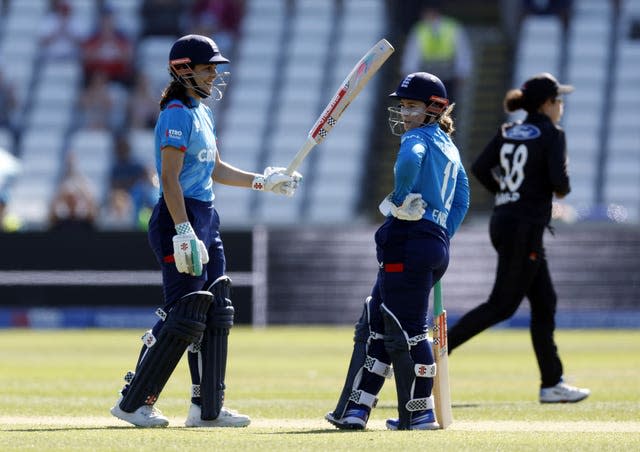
(363, 398)
(195, 347)
(148, 339)
(425, 370)
(412, 341)
(377, 367)
(425, 403)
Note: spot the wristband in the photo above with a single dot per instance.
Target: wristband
(184, 228)
(258, 183)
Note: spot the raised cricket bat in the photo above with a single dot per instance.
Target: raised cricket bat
(441, 393)
(349, 89)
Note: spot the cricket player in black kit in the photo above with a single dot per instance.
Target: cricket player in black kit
(525, 165)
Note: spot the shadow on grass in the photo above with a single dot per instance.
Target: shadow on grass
(307, 432)
(82, 428)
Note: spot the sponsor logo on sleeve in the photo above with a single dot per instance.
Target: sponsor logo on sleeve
(174, 134)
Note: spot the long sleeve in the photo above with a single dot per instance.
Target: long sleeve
(406, 169)
(557, 164)
(460, 204)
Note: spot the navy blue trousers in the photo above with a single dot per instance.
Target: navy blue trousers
(413, 256)
(522, 272)
(206, 223)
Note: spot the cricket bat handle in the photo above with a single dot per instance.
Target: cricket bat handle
(300, 156)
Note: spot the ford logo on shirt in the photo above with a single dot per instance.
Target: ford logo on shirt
(522, 132)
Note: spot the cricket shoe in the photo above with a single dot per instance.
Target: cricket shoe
(421, 420)
(353, 419)
(563, 393)
(145, 416)
(226, 418)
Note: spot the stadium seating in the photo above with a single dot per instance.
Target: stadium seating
(601, 116)
(289, 59)
(285, 70)
(622, 169)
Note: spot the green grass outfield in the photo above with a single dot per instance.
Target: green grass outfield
(56, 388)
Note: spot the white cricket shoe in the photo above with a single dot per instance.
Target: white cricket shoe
(145, 416)
(226, 418)
(563, 393)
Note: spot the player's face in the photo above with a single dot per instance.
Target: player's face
(553, 108)
(413, 113)
(410, 114)
(203, 77)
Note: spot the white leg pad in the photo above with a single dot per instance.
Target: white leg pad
(425, 370)
(363, 398)
(420, 404)
(377, 367)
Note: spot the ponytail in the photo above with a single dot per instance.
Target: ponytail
(174, 90)
(445, 121)
(515, 100)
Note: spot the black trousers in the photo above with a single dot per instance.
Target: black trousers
(522, 272)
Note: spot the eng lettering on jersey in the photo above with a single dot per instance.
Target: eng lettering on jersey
(207, 155)
(521, 132)
(439, 217)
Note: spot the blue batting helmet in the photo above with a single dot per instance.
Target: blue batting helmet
(189, 51)
(195, 49)
(421, 86)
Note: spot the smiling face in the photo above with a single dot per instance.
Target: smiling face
(408, 115)
(413, 113)
(203, 77)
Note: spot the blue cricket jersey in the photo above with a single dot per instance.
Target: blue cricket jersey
(429, 163)
(192, 131)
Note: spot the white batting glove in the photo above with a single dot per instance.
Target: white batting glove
(412, 208)
(277, 181)
(189, 251)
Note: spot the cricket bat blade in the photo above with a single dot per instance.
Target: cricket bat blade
(441, 391)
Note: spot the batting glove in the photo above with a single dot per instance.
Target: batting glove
(276, 180)
(412, 208)
(189, 251)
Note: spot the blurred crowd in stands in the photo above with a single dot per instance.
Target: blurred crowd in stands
(115, 96)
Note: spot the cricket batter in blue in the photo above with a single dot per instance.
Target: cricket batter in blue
(429, 201)
(184, 235)
(524, 166)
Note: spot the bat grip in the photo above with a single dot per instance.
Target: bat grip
(437, 299)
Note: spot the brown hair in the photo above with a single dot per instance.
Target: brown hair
(445, 121)
(175, 90)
